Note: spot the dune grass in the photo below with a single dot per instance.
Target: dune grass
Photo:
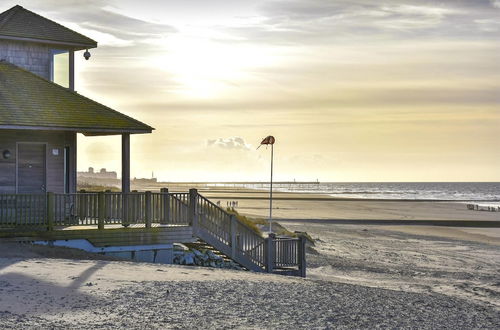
(258, 224)
(95, 188)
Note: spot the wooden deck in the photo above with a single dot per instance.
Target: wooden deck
(116, 219)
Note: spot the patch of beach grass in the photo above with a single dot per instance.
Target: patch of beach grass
(96, 188)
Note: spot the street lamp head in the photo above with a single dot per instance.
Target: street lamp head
(86, 54)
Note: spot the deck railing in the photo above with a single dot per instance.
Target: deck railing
(244, 245)
(93, 209)
(209, 222)
(22, 210)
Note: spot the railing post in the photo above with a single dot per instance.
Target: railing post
(302, 255)
(193, 198)
(125, 209)
(165, 205)
(148, 214)
(107, 197)
(270, 252)
(51, 205)
(234, 242)
(82, 205)
(101, 210)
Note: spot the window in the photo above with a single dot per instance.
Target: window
(60, 67)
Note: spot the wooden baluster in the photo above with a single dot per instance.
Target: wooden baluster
(233, 224)
(148, 208)
(101, 210)
(50, 211)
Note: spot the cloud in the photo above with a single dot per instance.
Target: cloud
(234, 143)
(317, 21)
(100, 21)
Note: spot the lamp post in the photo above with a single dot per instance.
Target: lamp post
(270, 141)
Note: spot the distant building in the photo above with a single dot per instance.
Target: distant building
(102, 174)
(144, 180)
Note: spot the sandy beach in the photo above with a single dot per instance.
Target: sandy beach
(359, 275)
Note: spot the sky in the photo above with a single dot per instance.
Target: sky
(352, 90)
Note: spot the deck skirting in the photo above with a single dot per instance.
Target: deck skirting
(109, 237)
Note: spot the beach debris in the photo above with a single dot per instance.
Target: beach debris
(477, 207)
(205, 258)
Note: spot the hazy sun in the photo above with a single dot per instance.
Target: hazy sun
(205, 68)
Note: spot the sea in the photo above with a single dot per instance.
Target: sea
(483, 193)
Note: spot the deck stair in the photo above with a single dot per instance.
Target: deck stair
(203, 247)
(242, 244)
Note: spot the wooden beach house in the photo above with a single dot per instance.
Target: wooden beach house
(40, 115)
(39, 118)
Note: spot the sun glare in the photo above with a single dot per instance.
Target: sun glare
(204, 68)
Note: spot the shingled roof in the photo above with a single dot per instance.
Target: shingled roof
(20, 23)
(31, 102)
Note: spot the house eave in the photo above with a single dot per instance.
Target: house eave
(88, 131)
(72, 45)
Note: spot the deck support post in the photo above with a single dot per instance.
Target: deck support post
(270, 249)
(193, 217)
(148, 209)
(71, 70)
(126, 162)
(234, 238)
(51, 205)
(101, 210)
(302, 256)
(126, 178)
(165, 206)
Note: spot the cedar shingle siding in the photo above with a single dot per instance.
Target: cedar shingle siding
(33, 57)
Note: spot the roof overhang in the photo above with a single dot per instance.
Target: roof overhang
(69, 45)
(84, 130)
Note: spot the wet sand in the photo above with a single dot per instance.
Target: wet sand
(313, 206)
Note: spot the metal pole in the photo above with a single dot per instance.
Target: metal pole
(271, 193)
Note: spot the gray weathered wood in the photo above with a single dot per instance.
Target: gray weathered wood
(148, 209)
(193, 197)
(302, 256)
(54, 163)
(270, 253)
(126, 162)
(102, 210)
(34, 57)
(50, 211)
(234, 236)
(165, 205)
(72, 70)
